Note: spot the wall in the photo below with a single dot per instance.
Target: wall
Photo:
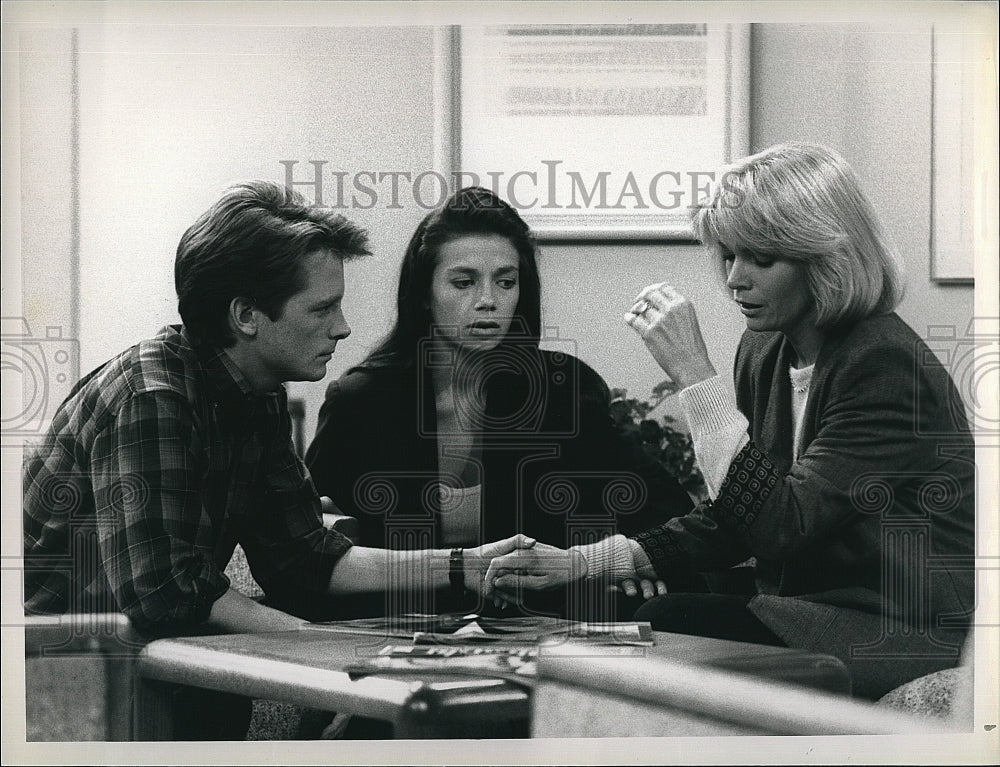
(867, 93)
(47, 164)
(170, 115)
(588, 289)
(173, 115)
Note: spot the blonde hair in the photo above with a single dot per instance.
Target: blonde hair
(803, 202)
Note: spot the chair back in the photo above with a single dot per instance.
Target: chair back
(78, 677)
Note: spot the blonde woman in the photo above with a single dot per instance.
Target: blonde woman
(844, 466)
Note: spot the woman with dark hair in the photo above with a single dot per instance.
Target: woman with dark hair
(845, 464)
(458, 426)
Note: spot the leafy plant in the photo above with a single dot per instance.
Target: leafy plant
(671, 447)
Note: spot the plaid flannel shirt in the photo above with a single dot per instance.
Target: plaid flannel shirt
(152, 470)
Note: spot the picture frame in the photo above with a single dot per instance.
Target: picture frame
(593, 132)
(958, 194)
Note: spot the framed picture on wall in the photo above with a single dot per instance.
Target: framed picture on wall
(959, 191)
(607, 131)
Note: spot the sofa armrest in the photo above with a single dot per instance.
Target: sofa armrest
(78, 676)
(82, 634)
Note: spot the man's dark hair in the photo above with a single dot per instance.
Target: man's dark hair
(251, 244)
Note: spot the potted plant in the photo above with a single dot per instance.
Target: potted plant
(660, 439)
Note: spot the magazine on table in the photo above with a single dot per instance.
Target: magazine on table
(516, 663)
(453, 629)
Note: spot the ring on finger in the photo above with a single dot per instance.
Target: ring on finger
(642, 307)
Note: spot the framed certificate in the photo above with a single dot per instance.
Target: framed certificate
(963, 185)
(594, 132)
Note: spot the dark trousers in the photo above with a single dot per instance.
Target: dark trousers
(721, 616)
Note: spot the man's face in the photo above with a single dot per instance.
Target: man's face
(297, 345)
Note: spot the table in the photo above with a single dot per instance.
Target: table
(305, 668)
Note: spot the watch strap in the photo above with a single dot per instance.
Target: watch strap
(456, 571)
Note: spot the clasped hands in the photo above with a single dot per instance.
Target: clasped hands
(522, 563)
(499, 570)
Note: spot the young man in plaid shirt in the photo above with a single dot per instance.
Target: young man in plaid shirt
(164, 458)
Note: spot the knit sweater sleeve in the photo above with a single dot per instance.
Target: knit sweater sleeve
(610, 558)
(718, 429)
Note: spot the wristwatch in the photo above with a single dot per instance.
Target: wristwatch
(456, 572)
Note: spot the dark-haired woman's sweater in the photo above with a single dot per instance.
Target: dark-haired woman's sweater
(553, 464)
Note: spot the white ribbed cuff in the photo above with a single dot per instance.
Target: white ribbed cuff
(718, 429)
(709, 406)
(609, 558)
